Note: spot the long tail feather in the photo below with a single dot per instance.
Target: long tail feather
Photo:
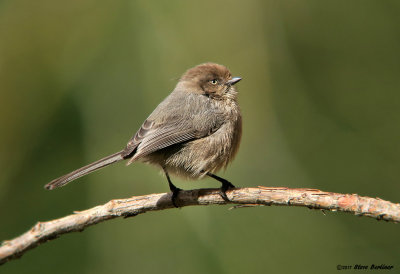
(63, 180)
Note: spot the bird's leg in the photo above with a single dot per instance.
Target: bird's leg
(175, 190)
(225, 185)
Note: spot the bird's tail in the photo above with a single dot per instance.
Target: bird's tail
(63, 180)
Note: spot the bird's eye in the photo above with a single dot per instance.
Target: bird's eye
(214, 81)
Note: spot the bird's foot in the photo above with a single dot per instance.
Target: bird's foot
(175, 192)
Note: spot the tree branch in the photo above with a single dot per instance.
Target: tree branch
(311, 198)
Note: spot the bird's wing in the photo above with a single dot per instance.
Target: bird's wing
(154, 136)
(196, 117)
(133, 143)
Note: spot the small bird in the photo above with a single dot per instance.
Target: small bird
(192, 133)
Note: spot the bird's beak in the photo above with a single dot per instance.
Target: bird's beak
(233, 81)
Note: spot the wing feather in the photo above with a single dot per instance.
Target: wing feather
(155, 137)
(165, 128)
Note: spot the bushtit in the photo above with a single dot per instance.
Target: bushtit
(194, 132)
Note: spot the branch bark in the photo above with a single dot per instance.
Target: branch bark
(311, 198)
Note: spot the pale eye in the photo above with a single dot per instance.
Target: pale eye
(214, 81)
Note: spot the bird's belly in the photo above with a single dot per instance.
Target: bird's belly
(193, 159)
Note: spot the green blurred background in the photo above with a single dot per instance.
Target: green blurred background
(321, 105)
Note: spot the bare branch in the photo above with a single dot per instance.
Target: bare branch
(311, 198)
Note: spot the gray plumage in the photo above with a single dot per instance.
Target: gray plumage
(195, 131)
